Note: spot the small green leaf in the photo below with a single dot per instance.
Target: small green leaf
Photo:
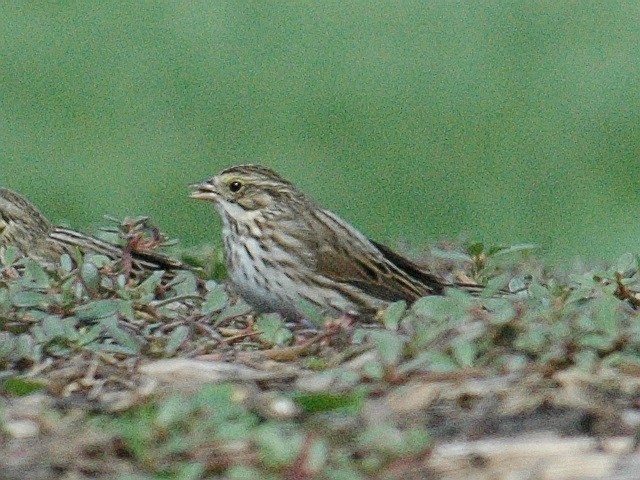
(440, 362)
(475, 249)
(98, 260)
(534, 340)
(38, 334)
(27, 299)
(90, 335)
(69, 325)
(10, 255)
(97, 309)
(273, 330)
(125, 308)
(240, 308)
(393, 314)
(66, 263)
(121, 281)
(350, 402)
(184, 283)
(434, 307)
(389, 345)
(502, 310)
(311, 313)
(607, 316)
(586, 360)
(495, 285)
(596, 341)
(464, 351)
(126, 341)
(90, 276)
(537, 291)
(35, 314)
(53, 327)
(20, 387)
(177, 337)
(174, 410)
(373, 370)
(35, 275)
(25, 347)
(518, 284)
(151, 283)
(279, 445)
(215, 300)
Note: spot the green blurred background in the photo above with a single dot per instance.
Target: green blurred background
(500, 122)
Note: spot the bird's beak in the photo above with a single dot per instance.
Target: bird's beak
(204, 191)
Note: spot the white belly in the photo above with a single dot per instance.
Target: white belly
(268, 288)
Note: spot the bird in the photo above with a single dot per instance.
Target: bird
(24, 227)
(283, 251)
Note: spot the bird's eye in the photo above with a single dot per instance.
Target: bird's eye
(235, 186)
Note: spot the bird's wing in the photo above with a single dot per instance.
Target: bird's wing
(344, 255)
(142, 259)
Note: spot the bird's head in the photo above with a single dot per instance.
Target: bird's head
(247, 189)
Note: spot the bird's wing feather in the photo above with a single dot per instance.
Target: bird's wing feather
(142, 260)
(346, 256)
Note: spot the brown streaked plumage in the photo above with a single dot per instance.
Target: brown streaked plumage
(23, 226)
(282, 249)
